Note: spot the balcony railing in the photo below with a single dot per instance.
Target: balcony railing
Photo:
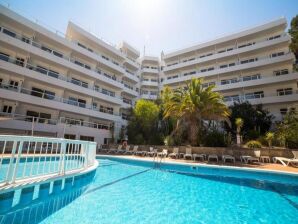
(53, 74)
(217, 68)
(54, 98)
(226, 50)
(49, 50)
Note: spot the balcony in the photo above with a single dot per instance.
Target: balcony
(153, 70)
(131, 76)
(55, 127)
(55, 78)
(149, 96)
(261, 61)
(52, 101)
(150, 82)
(262, 99)
(237, 50)
(240, 83)
(56, 56)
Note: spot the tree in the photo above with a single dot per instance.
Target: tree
(143, 125)
(293, 31)
(192, 105)
(287, 130)
(269, 137)
(256, 120)
(239, 125)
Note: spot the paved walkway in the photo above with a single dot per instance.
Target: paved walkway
(265, 166)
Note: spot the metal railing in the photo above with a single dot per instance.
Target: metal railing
(181, 61)
(54, 98)
(26, 157)
(236, 63)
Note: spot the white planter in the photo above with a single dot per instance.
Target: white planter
(257, 152)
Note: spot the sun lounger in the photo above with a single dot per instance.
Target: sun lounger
(175, 153)
(201, 157)
(115, 150)
(212, 157)
(226, 158)
(152, 152)
(247, 159)
(286, 161)
(188, 154)
(131, 152)
(163, 153)
(140, 153)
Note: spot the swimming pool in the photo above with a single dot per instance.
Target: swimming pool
(126, 191)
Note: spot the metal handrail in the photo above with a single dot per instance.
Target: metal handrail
(26, 157)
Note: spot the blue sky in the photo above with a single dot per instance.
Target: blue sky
(157, 24)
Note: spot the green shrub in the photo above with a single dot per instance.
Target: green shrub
(252, 134)
(253, 144)
(215, 139)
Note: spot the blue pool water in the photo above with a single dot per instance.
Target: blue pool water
(132, 192)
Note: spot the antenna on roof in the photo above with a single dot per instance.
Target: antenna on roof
(144, 50)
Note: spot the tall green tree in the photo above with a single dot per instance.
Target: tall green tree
(293, 31)
(192, 105)
(143, 125)
(256, 120)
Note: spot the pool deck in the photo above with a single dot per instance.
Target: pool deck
(259, 166)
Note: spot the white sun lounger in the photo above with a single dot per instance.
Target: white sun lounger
(201, 157)
(115, 150)
(163, 153)
(175, 153)
(247, 159)
(188, 154)
(133, 151)
(212, 157)
(286, 161)
(226, 158)
(152, 152)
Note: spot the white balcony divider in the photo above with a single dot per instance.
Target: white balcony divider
(27, 157)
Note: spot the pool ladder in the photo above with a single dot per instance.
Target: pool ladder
(156, 162)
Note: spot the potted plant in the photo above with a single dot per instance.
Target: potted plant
(256, 146)
(269, 137)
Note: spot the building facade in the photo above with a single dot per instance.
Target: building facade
(78, 86)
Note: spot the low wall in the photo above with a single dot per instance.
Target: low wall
(237, 152)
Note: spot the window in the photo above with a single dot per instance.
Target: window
(87, 138)
(53, 74)
(20, 62)
(223, 66)
(283, 111)
(58, 54)
(68, 136)
(43, 117)
(7, 109)
(41, 69)
(46, 49)
(49, 95)
(37, 92)
(32, 115)
(286, 91)
(255, 95)
(13, 84)
(4, 57)
(9, 33)
(273, 37)
(277, 54)
(82, 103)
(281, 72)
(251, 77)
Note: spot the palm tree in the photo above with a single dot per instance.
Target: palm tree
(269, 137)
(239, 125)
(192, 105)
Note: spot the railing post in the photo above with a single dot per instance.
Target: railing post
(61, 169)
(17, 161)
(86, 154)
(10, 167)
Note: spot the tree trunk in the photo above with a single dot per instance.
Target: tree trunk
(193, 133)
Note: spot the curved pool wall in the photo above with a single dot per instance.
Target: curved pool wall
(204, 170)
(21, 204)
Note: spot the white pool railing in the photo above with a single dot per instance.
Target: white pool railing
(25, 157)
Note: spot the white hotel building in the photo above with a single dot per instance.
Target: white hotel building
(80, 87)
